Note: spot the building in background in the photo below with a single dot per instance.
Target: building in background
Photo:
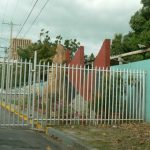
(18, 43)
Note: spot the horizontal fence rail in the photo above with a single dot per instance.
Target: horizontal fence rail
(52, 94)
(77, 95)
(15, 94)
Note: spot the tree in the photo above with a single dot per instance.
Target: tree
(72, 45)
(146, 3)
(140, 34)
(137, 22)
(116, 47)
(46, 48)
(91, 57)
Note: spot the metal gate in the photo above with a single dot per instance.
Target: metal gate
(15, 93)
(37, 95)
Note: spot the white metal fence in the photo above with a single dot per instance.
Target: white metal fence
(15, 93)
(42, 94)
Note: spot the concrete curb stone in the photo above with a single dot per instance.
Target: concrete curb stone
(67, 141)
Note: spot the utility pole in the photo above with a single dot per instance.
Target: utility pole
(11, 24)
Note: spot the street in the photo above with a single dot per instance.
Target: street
(23, 139)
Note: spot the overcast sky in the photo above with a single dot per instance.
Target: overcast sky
(89, 21)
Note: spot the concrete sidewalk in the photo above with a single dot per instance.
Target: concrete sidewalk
(67, 141)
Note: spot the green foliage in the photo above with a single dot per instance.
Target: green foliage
(137, 22)
(130, 42)
(117, 45)
(72, 45)
(140, 34)
(146, 3)
(145, 12)
(46, 48)
(91, 57)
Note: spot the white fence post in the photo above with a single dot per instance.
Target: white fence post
(69, 95)
(34, 87)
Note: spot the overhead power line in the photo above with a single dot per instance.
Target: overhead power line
(36, 17)
(27, 18)
(11, 24)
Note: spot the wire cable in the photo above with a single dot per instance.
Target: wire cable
(27, 18)
(36, 17)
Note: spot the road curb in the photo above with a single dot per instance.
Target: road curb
(10, 109)
(67, 141)
(22, 116)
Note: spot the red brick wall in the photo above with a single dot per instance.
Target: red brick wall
(101, 60)
(103, 57)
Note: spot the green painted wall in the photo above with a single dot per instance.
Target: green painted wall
(141, 65)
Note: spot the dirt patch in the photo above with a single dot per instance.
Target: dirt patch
(122, 137)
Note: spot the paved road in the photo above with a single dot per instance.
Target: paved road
(19, 139)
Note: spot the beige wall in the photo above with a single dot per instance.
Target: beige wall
(16, 43)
